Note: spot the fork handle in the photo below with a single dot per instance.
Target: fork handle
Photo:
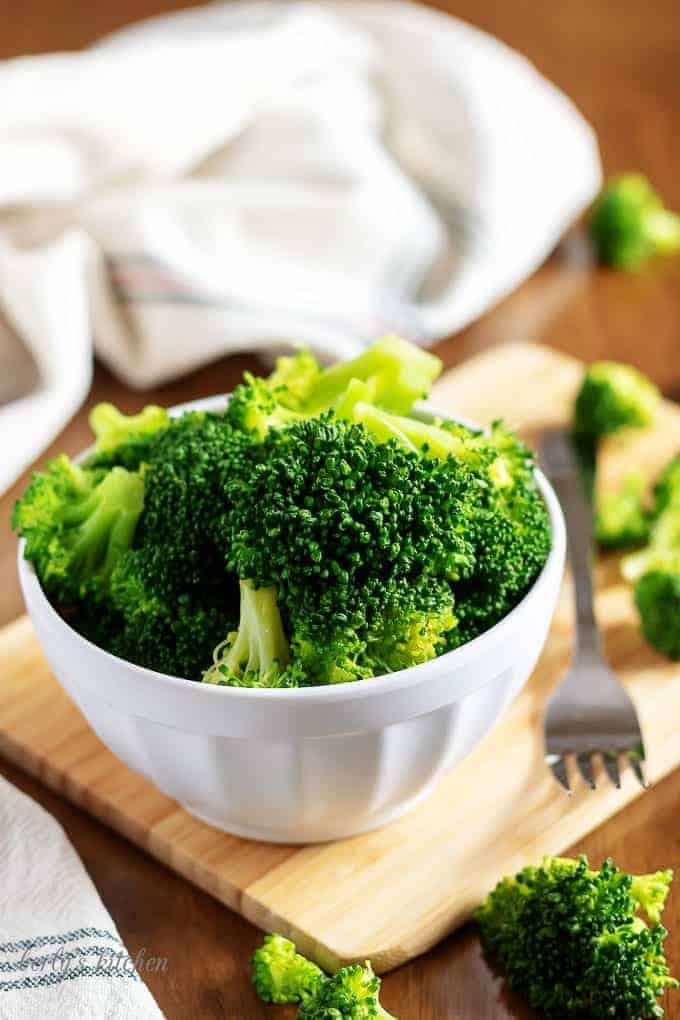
(577, 505)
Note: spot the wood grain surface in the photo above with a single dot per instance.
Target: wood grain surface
(619, 62)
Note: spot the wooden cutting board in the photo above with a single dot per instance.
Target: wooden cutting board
(390, 894)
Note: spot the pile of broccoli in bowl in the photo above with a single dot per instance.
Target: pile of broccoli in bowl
(317, 530)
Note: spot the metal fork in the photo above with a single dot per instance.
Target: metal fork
(590, 713)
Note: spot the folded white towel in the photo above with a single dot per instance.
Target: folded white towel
(244, 175)
(61, 957)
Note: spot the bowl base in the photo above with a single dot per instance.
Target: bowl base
(322, 834)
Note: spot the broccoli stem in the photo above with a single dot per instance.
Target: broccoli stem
(257, 653)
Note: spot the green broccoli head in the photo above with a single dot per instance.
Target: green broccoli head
(78, 524)
(345, 529)
(570, 940)
(629, 224)
(663, 547)
(256, 408)
(281, 974)
(622, 517)
(351, 994)
(257, 654)
(405, 639)
(613, 396)
(657, 597)
(294, 378)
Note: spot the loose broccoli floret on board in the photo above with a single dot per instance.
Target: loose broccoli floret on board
(622, 517)
(629, 224)
(613, 396)
(657, 597)
(281, 974)
(77, 525)
(664, 543)
(256, 655)
(667, 487)
(571, 941)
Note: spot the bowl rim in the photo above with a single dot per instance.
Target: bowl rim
(412, 676)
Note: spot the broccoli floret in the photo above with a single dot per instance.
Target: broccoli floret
(664, 543)
(351, 994)
(293, 379)
(613, 396)
(398, 373)
(125, 440)
(622, 517)
(346, 529)
(111, 427)
(77, 525)
(256, 408)
(629, 224)
(392, 373)
(570, 940)
(281, 974)
(657, 597)
(407, 639)
(256, 655)
(667, 487)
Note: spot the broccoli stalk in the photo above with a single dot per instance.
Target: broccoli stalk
(281, 974)
(398, 373)
(256, 655)
(629, 224)
(391, 373)
(570, 939)
(112, 428)
(77, 525)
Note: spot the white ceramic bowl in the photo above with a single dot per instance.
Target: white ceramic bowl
(312, 764)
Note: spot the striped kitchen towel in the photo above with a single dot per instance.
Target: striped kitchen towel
(61, 957)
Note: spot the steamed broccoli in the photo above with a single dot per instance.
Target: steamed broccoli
(348, 531)
(657, 597)
(622, 518)
(351, 994)
(77, 525)
(629, 224)
(312, 533)
(256, 655)
(613, 396)
(282, 975)
(664, 542)
(391, 373)
(125, 440)
(667, 487)
(571, 941)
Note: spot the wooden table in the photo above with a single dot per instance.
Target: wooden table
(618, 59)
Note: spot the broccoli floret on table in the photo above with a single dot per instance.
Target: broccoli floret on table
(280, 974)
(622, 517)
(612, 397)
(78, 524)
(629, 224)
(571, 940)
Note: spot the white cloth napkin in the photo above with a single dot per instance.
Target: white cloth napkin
(244, 175)
(61, 957)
